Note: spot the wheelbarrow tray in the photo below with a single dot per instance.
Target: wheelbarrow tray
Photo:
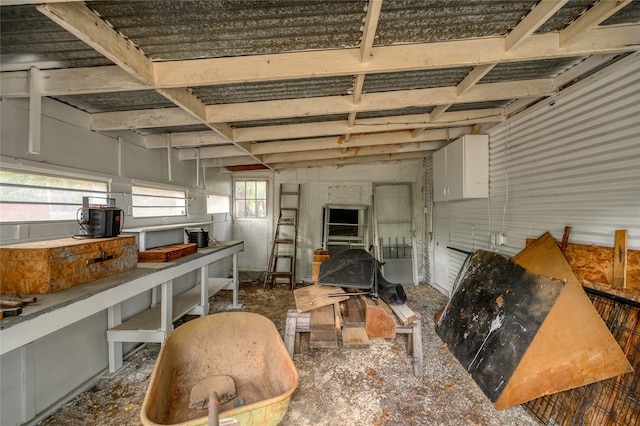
(246, 346)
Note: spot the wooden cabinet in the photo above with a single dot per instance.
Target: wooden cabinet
(461, 169)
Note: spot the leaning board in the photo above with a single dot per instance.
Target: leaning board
(316, 296)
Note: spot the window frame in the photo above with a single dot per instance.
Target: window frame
(266, 198)
(103, 193)
(156, 187)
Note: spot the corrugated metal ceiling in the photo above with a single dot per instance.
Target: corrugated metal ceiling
(170, 30)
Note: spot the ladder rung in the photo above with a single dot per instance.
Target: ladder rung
(280, 274)
(289, 193)
(285, 256)
(278, 241)
(293, 209)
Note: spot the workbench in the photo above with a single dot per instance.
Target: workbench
(55, 311)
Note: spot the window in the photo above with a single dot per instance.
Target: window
(217, 203)
(250, 198)
(153, 202)
(27, 197)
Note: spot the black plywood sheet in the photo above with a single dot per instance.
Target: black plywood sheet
(493, 316)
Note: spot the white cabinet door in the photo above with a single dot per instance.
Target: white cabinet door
(455, 153)
(440, 175)
(461, 169)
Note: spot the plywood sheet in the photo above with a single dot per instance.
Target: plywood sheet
(573, 347)
(316, 296)
(54, 265)
(493, 317)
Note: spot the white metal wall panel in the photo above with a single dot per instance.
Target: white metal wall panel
(573, 160)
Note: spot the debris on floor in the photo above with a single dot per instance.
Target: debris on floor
(373, 386)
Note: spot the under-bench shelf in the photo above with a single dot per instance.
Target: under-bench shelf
(147, 326)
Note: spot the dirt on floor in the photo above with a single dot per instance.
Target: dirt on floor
(374, 386)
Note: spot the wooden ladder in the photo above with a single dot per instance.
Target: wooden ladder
(285, 238)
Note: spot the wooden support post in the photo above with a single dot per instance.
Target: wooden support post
(35, 110)
(620, 260)
(565, 239)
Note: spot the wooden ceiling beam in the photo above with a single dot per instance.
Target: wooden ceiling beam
(350, 160)
(620, 38)
(531, 22)
(371, 125)
(589, 20)
(185, 139)
(90, 28)
(220, 151)
(86, 25)
(448, 54)
(229, 161)
(371, 139)
(330, 105)
(369, 29)
(353, 152)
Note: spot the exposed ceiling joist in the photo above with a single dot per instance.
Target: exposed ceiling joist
(369, 125)
(350, 160)
(448, 54)
(324, 124)
(358, 140)
(394, 58)
(330, 105)
(353, 152)
(530, 23)
(590, 19)
(83, 23)
(369, 29)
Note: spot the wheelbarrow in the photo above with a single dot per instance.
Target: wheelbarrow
(244, 346)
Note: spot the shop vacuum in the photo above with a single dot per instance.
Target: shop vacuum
(100, 220)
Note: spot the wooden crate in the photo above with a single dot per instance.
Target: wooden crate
(50, 266)
(167, 253)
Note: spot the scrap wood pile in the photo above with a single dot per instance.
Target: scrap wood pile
(353, 316)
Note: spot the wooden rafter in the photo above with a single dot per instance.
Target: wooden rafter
(369, 31)
(312, 64)
(332, 142)
(361, 159)
(534, 19)
(448, 54)
(590, 19)
(85, 24)
(324, 105)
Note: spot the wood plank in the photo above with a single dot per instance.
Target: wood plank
(355, 338)
(353, 312)
(323, 331)
(316, 296)
(379, 321)
(620, 260)
(322, 318)
(167, 253)
(404, 314)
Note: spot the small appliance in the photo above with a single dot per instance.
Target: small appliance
(100, 220)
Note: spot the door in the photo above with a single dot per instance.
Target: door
(395, 242)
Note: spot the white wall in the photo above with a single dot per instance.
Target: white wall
(39, 374)
(349, 184)
(572, 160)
